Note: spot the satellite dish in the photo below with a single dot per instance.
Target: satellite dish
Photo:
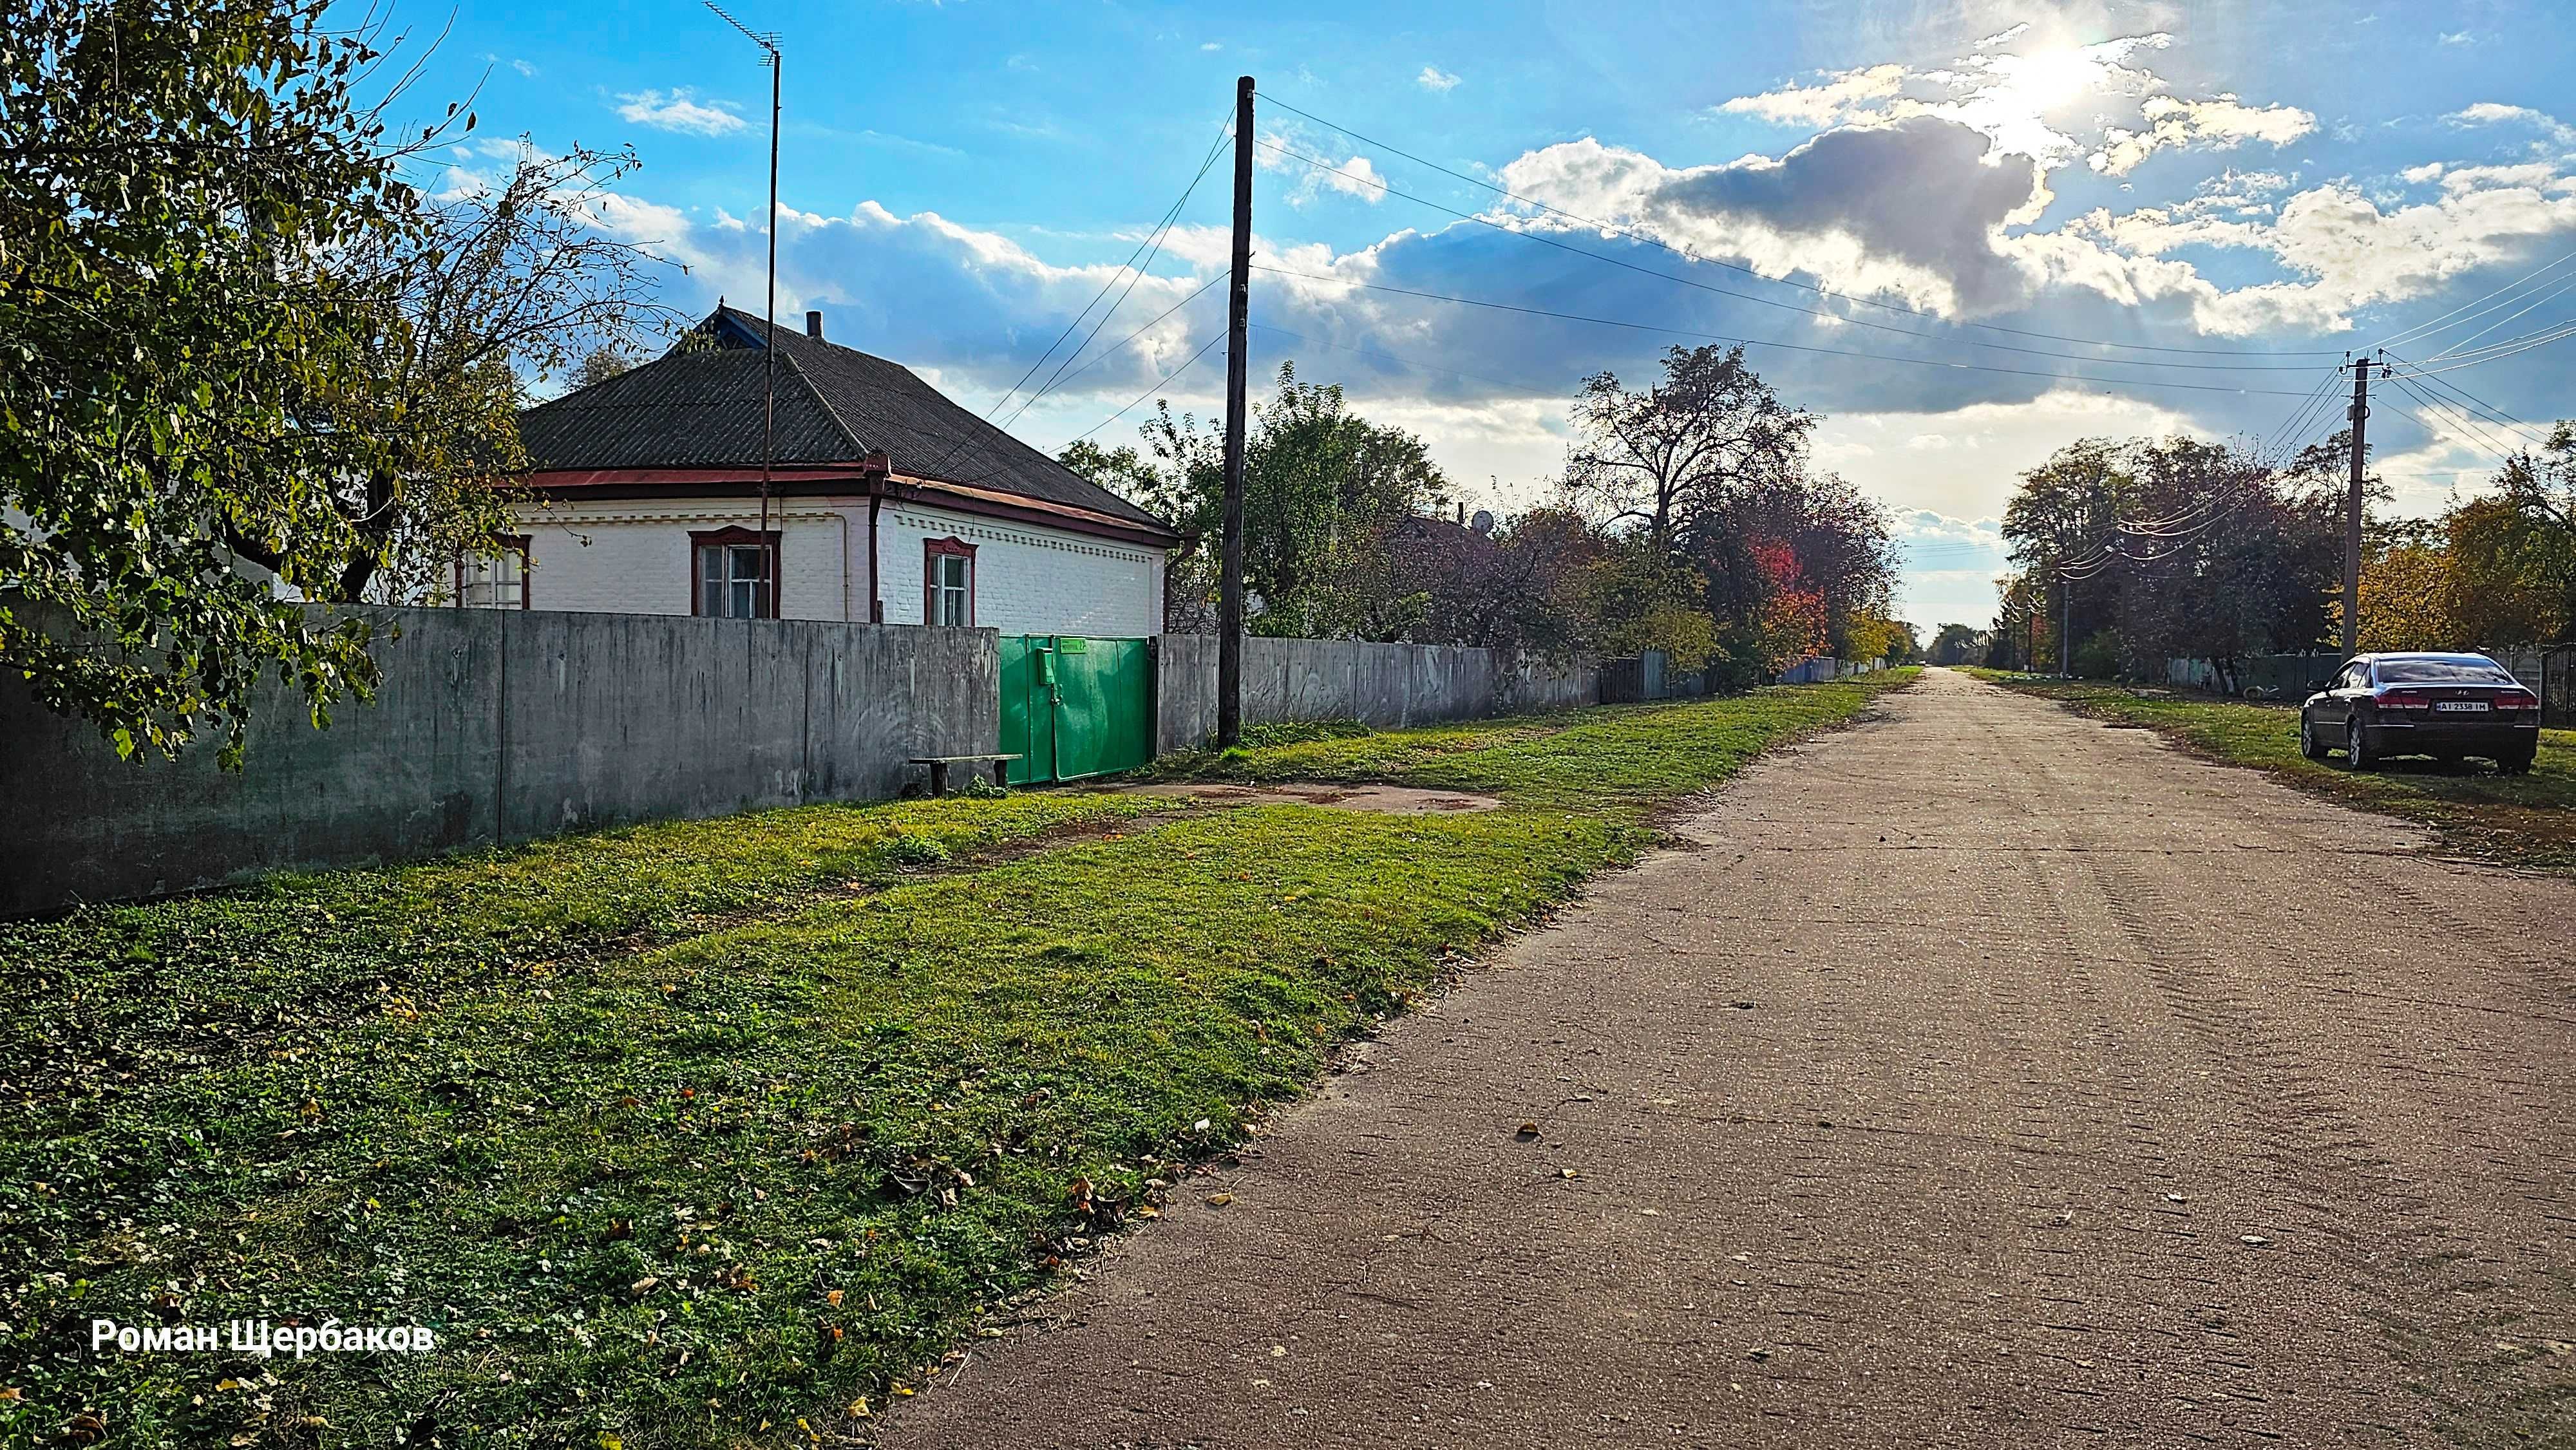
(1483, 522)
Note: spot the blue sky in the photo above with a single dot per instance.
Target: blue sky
(2041, 221)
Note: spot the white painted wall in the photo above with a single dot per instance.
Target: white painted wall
(633, 558)
(1027, 580)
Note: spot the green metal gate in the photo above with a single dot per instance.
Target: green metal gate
(1075, 707)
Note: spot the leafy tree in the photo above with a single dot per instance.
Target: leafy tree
(1170, 490)
(1323, 489)
(2173, 548)
(2406, 590)
(248, 362)
(1664, 457)
(1957, 644)
(1839, 547)
(1638, 600)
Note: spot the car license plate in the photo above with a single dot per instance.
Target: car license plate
(2463, 707)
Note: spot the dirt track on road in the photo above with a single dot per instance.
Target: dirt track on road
(1981, 1075)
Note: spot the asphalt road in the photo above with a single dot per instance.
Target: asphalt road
(1981, 1075)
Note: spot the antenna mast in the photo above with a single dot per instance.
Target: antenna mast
(768, 43)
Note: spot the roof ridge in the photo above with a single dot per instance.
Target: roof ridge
(816, 390)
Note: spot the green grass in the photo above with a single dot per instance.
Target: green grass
(2525, 819)
(1604, 756)
(688, 1139)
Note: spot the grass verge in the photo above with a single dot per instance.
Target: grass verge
(674, 1140)
(2526, 820)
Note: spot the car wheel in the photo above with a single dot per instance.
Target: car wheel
(2309, 745)
(2515, 765)
(2356, 747)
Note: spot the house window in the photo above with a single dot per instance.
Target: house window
(495, 581)
(733, 573)
(949, 596)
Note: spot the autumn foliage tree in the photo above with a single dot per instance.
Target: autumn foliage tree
(249, 362)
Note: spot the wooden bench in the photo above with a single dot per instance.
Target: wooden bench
(939, 768)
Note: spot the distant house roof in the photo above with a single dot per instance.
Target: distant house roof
(696, 412)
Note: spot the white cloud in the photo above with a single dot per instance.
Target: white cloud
(1433, 78)
(1841, 95)
(2496, 113)
(1288, 154)
(2346, 252)
(680, 111)
(2220, 123)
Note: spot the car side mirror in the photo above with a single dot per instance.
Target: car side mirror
(2319, 687)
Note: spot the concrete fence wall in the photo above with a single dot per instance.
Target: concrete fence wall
(1338, 679)
(496, 726)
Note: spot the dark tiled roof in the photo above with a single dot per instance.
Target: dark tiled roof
(699, 407)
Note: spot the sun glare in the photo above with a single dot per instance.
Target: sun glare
(2048, 79)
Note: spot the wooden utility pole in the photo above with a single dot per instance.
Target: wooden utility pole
(1238, 369)
(2360, 416)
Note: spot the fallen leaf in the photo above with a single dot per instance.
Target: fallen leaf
(1219, 1200)
(1527, 1131)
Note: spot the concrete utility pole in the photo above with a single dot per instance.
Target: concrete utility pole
(2065, 628)
(1238, 365)
(2360, 416)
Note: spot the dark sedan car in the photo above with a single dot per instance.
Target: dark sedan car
(2443, 705)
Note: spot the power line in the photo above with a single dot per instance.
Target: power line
(1385, 356)
(1138, 275)
(2462, 346)
(1652, 240)
(1548, 241)
(1784, 346)
(2498, 352)
(2436, 323)
(1166, 382)
(1114, 348)
(1170, 215)
(2453, 410)
(2491, 411)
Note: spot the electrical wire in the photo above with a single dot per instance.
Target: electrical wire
(2491, 412)
(1170, 215)
(2443, 409)
(2462, 346)
(1166, 382)
(1116, 347)
(1687, 254)
(1765, 342)
(2499, 353)
(2435, 324)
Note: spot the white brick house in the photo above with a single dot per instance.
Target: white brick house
(886, 502)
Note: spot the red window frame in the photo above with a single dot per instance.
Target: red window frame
(519, 544)
(932, 551)
(702, 539)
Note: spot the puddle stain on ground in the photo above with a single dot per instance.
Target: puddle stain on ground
(1391, 799)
